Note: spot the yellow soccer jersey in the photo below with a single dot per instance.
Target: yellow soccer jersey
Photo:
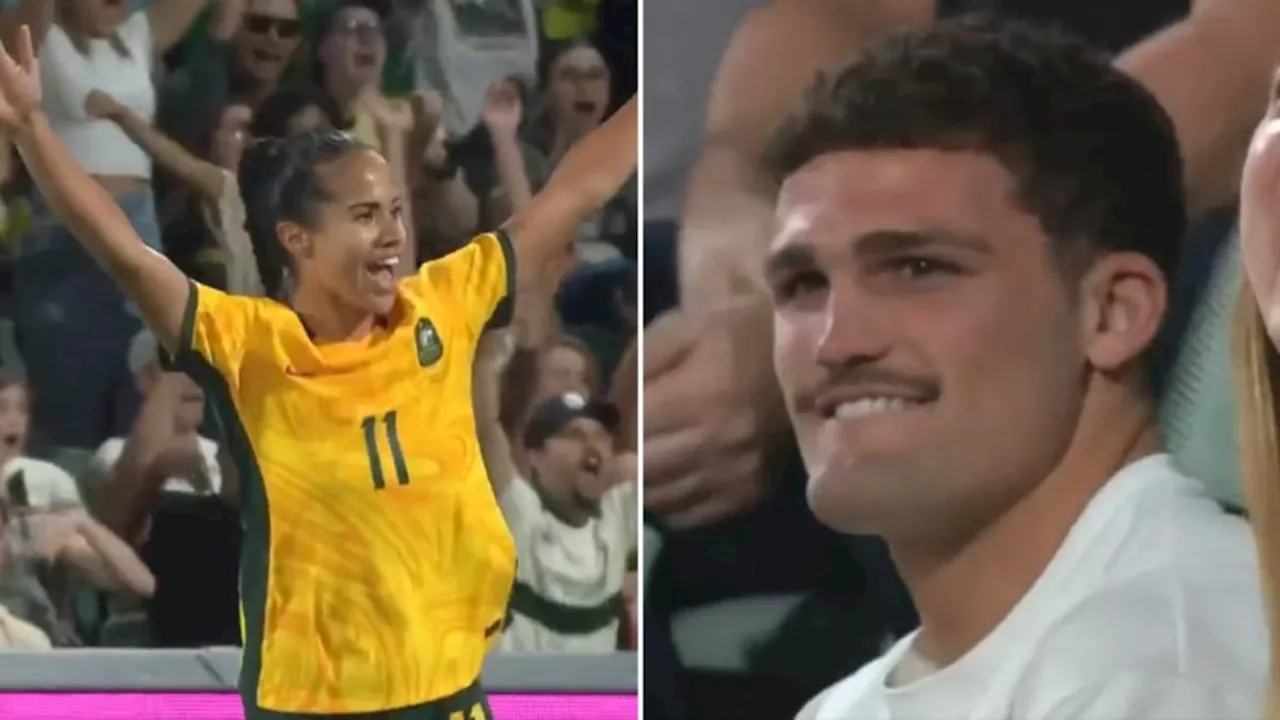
(376, 566)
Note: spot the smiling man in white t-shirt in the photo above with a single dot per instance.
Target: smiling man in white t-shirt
(974, 231)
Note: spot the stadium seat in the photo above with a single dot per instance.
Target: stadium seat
(721, 637)
(126, 630)
(1197, 412)
(87, 608)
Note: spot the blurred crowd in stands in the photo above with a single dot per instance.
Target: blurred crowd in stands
(119, 513)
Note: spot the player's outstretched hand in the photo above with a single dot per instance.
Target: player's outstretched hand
(19, 83)
(1260, 215)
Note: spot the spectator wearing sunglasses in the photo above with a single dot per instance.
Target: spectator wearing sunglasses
(243, 60)
(246, 54)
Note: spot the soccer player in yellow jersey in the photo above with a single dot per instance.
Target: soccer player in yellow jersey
(377, 567)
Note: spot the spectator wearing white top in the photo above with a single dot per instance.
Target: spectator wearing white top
(72, 324)
(164, 453)
(973, 234)
(172, 493)
(575, 530)
(46, 553)
(44, 485)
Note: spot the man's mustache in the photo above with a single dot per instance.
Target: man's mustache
(875, 377)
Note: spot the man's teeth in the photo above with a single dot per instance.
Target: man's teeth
(871, 406)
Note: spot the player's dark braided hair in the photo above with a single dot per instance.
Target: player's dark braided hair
(279, 183)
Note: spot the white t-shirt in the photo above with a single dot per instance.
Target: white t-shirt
(108, 455)
(48, 486)
(1151, 609)
(577, 567)
(67, 75)
(457, 47)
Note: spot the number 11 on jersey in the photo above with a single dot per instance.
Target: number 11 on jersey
(370, 427)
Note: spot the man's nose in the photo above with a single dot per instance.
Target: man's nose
(856, 328)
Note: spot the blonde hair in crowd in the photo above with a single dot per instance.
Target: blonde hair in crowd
(1257, 379)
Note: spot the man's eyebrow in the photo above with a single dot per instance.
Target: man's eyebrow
(889, 242)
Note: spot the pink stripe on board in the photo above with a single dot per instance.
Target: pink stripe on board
(226, 706)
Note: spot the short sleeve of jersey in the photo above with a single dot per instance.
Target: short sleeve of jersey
(215, 331)
(480, 277)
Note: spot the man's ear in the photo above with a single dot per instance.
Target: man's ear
(1123, 299)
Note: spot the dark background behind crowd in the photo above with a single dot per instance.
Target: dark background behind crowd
(119, 528)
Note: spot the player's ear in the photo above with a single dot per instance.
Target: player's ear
(295, 239)
(1122, 302)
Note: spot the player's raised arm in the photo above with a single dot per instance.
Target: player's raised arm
(589, 175)
(147, 277)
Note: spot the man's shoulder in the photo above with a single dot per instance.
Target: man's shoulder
(1152, 633)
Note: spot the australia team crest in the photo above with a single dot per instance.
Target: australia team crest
(427, 339)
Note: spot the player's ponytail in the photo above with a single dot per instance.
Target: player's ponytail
(256, 178)
(278, 184)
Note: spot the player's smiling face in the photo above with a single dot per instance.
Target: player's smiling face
(353, 248)
(926, 344)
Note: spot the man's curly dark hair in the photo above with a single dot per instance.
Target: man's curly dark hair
(1094, 154)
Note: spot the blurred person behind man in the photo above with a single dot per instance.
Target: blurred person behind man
(171, 492)
(973, 236)
(574, 523)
